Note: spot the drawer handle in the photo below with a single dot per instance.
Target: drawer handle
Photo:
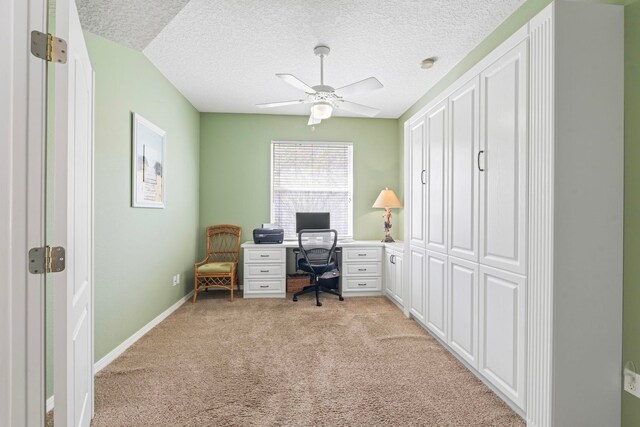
(264, 256)
(265, 271)
(362, 254)
(264, 286)
(362, 284)
(362, 269)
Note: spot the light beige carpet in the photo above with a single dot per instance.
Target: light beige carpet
(266, 362)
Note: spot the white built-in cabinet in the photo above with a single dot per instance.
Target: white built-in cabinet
(464, 149)
(513, 216)
(435, 150)
(502, 331)
(474, 144)
(393, 273)
(503, 161)
(416, 283)
(417, 184)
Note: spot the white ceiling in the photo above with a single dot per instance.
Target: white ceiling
(223, 54)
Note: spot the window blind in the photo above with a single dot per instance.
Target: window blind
(312, 177)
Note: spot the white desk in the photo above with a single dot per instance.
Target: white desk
(265, 268)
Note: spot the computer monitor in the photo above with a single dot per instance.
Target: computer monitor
(312, 221)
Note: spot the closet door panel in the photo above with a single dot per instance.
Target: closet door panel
(503, 183)
(417, 184)
(436, 165)
(437, 293)
(463, 171)
(502, 331)
(463, 309)
(416, 287)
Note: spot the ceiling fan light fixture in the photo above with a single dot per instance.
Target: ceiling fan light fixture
(321, 110)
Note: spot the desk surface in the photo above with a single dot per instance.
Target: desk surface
(341, 244)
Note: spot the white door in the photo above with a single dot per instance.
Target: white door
(502, 331)
(416, 285)
(417, 183)
(73, 213)
(503, 182)
(389, 274)
(398, 283)
(463, 309)
(436, 166)
(436, 281)
(464, 148)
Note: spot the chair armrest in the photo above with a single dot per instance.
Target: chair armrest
(204, 261)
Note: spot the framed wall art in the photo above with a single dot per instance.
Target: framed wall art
(149, 159)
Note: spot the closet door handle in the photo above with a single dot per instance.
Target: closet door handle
(392, 259)
(422, 176)
(480, 153)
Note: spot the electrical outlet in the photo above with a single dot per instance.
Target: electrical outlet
(631, 382)
(176, 280)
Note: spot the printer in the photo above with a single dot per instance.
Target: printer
(268, 235)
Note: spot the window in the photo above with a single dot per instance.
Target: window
(312, 177)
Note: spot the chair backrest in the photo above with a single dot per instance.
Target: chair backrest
(318, 246)
(223, 243)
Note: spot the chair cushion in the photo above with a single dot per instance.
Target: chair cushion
(319, 269)
(216, 267)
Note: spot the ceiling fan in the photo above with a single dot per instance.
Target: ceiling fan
(325, 98)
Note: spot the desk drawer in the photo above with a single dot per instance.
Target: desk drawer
(264, 271)
(371, 269)
(365, 284)
(264, 285)
(362, 254)
(264, 255)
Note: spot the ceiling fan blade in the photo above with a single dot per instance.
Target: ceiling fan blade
(296, 82)
(281, 104)
(359, 109)
(313, 121)
(362, 86)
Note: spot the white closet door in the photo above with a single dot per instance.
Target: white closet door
(463, 309)
(503, 183)
(464, 145)
(437, 293)
(502, 331)
(416, 277)
(417, 184)
(398, 282)
(436, 166)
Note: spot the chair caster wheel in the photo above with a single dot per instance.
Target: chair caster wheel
(295, 299)
(341, 299)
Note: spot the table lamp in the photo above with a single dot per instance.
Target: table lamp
(387, 200)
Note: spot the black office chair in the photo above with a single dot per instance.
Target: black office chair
(318, 248)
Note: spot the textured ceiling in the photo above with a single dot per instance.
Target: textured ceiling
(223, 54)
(133, 23)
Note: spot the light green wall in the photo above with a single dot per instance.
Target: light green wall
(235, 166)
(137, 250)
(631, 313)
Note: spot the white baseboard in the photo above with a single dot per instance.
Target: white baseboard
(113, 354)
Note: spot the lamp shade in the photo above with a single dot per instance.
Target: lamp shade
(387, 199)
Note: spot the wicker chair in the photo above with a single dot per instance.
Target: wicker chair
(220, 268)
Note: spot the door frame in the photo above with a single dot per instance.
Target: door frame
(22, 214)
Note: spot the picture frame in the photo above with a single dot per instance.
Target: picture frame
(148, 161)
